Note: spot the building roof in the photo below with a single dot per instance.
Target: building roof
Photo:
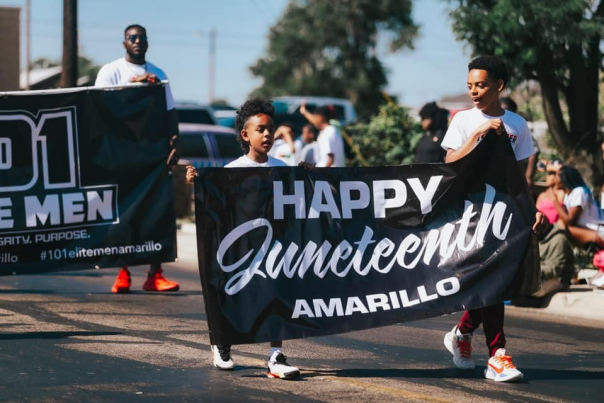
(37, 76)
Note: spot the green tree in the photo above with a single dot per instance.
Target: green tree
(329, 48)
(390, 138)
(86, 67)
(556, 43)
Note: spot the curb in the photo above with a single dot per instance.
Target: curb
(580, 302)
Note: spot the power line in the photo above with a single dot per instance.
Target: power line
(167, 31)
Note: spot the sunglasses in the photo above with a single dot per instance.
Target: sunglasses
(133, 38)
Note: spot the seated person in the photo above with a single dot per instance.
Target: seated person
(545, 204)
(557, 260)
(580, 214)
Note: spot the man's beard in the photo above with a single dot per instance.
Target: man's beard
(138, 57)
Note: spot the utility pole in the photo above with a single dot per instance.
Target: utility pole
(27, 41)
(212, 66)
(69, 73)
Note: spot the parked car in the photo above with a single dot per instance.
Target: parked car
(190, 112)
(208, 145)
(345, 111)
(225, 114)
(202, 146)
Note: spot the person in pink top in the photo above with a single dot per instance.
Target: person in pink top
(545, 202)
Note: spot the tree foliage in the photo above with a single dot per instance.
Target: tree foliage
(390, 138)
(329, 47)
(555, 42)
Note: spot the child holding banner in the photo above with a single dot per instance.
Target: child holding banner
(487, 77)
(255, 132)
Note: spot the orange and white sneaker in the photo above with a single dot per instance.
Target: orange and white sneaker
(157, 282)
(122, 282)
(277, 367)
(501, 369)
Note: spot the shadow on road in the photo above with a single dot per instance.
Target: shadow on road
(52, 335)
(530, 374)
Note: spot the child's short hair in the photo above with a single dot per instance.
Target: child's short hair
(251, 107)
(311, 128)
(494, 66)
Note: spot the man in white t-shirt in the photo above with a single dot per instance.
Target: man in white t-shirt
(130, 70)
(330, 142)
(487, 77)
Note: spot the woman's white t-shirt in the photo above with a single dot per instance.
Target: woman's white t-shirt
(465, 122)
(245, 162)
(590, 214)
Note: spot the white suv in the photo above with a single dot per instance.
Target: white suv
(291, 104)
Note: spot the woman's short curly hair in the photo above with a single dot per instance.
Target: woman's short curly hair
(251, 107)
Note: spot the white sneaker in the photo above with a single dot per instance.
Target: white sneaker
(279, 368)
(501, 369)
(460, 345)
(222, 357)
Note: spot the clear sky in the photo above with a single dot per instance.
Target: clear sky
(179, 43)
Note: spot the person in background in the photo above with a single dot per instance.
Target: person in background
(555, 250)
(545, 203)
(307, 144)
(434, 124)
(135, 69)
(579, 214)
(284, 146)
(531, 164)
(602, 189)
(330, 141)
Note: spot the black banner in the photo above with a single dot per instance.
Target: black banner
(83, 180)
(288, 253)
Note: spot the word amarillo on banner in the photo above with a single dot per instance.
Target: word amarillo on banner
(83, 171)
(288, 253)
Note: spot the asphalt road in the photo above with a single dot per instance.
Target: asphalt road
(65, 338)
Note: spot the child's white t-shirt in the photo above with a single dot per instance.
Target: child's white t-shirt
(245, 162)
(590, 214)
(465, 122)
(119, 72)
(330, 142)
